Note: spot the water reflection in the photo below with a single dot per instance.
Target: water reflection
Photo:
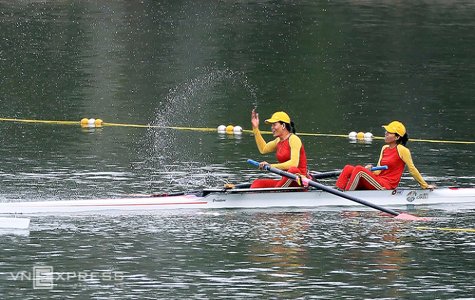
(14, 232)
(279, 245)
(240, 252)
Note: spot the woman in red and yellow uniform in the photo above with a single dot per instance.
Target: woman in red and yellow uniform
(289, 149)
(394, 154)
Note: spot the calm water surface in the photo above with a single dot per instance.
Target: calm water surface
(242, 253)
(335, 66)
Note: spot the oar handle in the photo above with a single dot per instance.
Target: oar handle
(253, 162)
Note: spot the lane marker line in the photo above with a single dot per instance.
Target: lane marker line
(206, 129)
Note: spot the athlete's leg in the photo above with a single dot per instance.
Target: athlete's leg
(264, 183)
(363, 179)
(344, 177)
(287, 182)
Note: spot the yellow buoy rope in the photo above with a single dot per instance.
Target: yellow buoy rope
(40, 121)
(214, 129)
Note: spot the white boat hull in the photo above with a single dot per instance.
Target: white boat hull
(245, 198)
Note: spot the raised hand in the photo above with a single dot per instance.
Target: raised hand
(254, 119)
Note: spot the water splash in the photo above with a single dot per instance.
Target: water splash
(177, 158)
(184, 101)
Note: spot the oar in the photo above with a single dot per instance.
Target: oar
(321, 175)
(403, 216)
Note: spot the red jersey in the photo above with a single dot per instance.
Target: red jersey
(289, 152)
(396, 159)
(390, 157)
(283, 154)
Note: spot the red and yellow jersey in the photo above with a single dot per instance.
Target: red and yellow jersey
(396, 159)
(289, 152)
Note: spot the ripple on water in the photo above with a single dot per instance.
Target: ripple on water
(248, 252)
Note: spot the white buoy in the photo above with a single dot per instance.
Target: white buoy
(237, 129)
(352, 135)
(368, 136)
(91, 122)
(14, 223)
(221, 129)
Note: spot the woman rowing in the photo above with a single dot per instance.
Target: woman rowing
(394, 154)
(289, 149)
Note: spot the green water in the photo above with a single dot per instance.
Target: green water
(334, 66)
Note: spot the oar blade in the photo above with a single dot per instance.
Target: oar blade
(409, 217)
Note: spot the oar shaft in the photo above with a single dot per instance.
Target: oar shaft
(325, 188)
(321, 175)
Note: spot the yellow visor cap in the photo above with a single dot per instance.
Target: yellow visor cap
(279, 116)
(395, 127)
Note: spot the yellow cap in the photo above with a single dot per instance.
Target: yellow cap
(279, 116)
(395, 127)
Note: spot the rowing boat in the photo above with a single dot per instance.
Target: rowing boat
(246, 198)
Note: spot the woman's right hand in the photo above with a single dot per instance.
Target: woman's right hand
(254, 119)
(263, 164)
